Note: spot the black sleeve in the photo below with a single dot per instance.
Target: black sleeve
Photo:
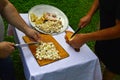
(118, 10)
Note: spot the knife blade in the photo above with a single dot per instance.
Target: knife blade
(76, 31)
(25, 44)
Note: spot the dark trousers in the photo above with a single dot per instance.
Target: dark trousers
(7, 69)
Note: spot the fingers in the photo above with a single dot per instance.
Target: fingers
(35, 36)
(77, 49)
(84, 21)
(11, 46)
(6, 48)
(82, 24)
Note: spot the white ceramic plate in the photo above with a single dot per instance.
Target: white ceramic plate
(38, 10)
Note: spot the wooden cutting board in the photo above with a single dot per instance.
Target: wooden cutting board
(46, 38)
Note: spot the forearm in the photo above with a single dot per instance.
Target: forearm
(105, 34)
(93, 8)
(12, 16)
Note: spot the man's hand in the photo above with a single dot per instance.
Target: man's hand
(68, 39)
(78, 41)
(33, 34)
(6, 48)
(84, 21)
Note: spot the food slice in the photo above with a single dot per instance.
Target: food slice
(68, 38)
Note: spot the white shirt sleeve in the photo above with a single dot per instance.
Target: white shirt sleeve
(1, 29)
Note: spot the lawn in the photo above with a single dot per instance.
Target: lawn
(74, 10)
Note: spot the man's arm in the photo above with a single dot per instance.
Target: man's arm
(105, 34)
(87, 18)
(10, 13)
(93, 8)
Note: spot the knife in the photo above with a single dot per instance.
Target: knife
(25, 44)
(76, 31)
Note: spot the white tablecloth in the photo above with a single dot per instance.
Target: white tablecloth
(83, 65)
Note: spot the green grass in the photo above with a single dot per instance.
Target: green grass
(74, 10)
